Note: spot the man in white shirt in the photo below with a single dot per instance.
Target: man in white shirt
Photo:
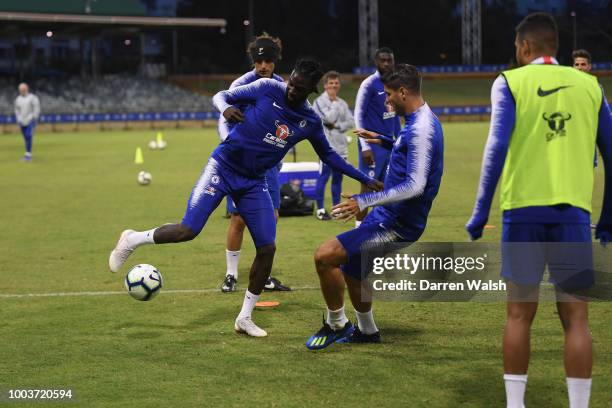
(27, 111)
(337, 119)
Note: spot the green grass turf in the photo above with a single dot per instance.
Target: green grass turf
(62, 213)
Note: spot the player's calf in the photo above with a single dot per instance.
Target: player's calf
(261, 268)
(171, 233)
(130, 240)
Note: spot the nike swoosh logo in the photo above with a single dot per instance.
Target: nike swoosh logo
(381, 93)
(279, 107)
(542, 92)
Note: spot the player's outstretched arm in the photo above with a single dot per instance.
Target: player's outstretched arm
(503, 116)
(420, 156)
(332, 159)
(604, 143)
(375, 138)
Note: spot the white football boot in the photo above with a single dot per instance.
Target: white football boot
(121, 253)
(246, 325)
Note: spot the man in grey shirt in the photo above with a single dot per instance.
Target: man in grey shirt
(337, 119)
(27, 110)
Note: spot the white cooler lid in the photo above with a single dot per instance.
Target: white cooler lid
(299, 166)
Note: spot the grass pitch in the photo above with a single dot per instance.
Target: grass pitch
(62, 214)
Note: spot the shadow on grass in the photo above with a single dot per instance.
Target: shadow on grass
(145, 335)
(399, 334)
(480, 386)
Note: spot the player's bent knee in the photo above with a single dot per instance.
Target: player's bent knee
(326, 254)
(186, 234)
(266, 250)
(321, 255)
(573, 314)
(522, 314)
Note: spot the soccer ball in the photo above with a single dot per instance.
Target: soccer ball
(143, 282)
(144, 178)
(152, 145)
(162, 144)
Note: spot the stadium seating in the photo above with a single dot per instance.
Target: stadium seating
(112, 93)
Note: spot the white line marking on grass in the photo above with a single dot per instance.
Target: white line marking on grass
(110, 293)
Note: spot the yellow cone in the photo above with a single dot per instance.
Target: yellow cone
(160, 138)
(138, 159)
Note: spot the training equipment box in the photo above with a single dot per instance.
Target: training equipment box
(306, 172)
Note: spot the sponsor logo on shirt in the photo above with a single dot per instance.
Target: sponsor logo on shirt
(210, 190)
(278, 138)
(543, 93)
(390, 113)
(556, 123)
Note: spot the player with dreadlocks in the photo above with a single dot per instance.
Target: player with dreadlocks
(277, 117)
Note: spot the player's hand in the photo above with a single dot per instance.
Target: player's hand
(233, 114)
(603, 234)
(476, 225)
(375, 185)
(368, 135)
(346, 210)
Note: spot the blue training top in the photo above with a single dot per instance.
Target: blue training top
(224, 126)
(415, 171)
(270, 128)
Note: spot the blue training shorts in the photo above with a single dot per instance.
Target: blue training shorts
(273, 189)
(376, 229)
(381, 162)
(251, 196)
(565, 248)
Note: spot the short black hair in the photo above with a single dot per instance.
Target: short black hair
(541, 30)
(383, 50)
(309, 68)
(404, 75)
(582, 53)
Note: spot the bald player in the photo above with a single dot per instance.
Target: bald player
(27, 111)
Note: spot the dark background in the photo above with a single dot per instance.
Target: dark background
(422, 32)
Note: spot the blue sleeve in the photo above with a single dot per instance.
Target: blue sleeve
(243, 94)
(503, 117)
(387, 142)
(604, 143)
(419, 158)
(363, 96)
(328, 156)
(361, 101)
